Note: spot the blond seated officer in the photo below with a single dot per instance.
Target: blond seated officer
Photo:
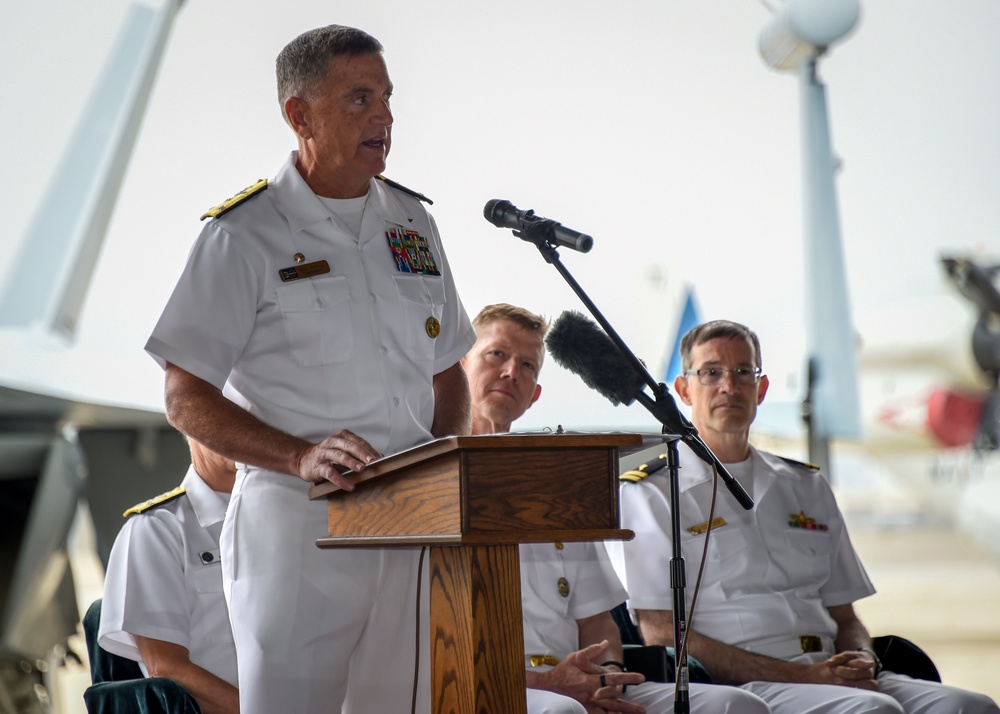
(573, 649)
(775, 611)
(163, 604)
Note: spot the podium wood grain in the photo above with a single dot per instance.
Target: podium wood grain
(474, 499)
(476, 609)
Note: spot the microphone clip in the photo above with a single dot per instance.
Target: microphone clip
(541, 232)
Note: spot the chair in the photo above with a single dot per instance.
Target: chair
(901, 656)
(119, 686)
(655, 663)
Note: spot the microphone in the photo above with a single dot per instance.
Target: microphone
(504, 214)
(579, 345)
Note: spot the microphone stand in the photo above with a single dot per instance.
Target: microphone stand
(664, 408)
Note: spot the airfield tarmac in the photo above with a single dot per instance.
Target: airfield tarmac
(934, 588)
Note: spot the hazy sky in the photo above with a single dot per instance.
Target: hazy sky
(653, 125)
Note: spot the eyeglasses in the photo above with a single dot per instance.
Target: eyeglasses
(710, 376)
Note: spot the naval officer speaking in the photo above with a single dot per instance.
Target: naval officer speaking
(314, 328)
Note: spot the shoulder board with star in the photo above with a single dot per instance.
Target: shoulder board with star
(404, 189)
(155, 502)
(643, 470)
(231, 203)
(801, 464)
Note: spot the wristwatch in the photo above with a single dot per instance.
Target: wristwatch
(878, 662)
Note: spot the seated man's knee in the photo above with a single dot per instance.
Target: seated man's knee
(724, 699)
(544, 702)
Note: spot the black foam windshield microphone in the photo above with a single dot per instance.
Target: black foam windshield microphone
(579, 345)
(504, 214)
(583, 348)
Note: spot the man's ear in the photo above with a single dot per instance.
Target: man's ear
(681, 388)
(295, 112)
(762, 388)
(538, 393)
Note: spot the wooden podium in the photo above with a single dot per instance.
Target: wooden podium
(474, 499)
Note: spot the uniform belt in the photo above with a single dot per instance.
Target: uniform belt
(793, 647)
(537, 660)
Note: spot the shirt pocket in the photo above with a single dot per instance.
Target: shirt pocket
(809, 554)
(725, 543)
(207, 578)
(420, 300)
(317, 318)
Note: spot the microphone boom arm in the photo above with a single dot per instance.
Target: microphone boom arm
(662, 405)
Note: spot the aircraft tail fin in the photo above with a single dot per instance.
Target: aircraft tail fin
(48, 279)
(688, 320)
(831, 338)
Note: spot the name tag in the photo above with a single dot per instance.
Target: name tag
(309, 270)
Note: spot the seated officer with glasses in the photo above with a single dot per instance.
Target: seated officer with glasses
(775, 612)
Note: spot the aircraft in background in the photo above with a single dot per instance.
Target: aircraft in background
(928, 393)
(913, 393)
(61, 445)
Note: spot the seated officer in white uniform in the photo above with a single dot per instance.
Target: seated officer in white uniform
(775, 610)
(163, 602)
(573, 649)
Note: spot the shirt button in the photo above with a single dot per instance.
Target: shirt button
(385, 350)
(563, 585)
(395, 400)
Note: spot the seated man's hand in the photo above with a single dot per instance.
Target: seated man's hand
(853, 666)
(579, 678)
(609, 697)
(847, 669)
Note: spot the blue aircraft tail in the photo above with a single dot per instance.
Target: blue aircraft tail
(689, 319)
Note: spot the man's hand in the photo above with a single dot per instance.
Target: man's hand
(845, 669)
(579, 678)
(327, 460)
(853, 669)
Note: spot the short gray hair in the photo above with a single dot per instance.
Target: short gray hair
(305, 61)
(712, 330)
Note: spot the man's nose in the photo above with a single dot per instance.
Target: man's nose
(510, 369)
(384, 113)
(728, 380)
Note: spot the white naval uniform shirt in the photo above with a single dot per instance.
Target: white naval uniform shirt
(549, 617)
(344, 349)
(765, 579)
(348, 349)
(164, 581)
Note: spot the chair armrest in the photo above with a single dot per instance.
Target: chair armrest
(656, 664)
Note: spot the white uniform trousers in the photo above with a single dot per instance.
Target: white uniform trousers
(898, 694)
(316, 626)
(659, 699)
